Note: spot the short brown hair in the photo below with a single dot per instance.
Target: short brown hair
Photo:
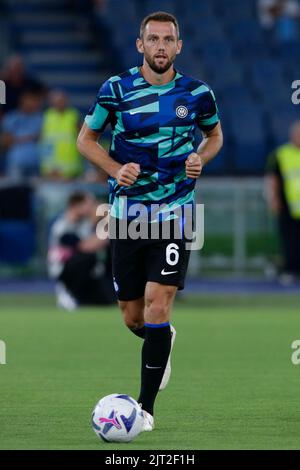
(161, 16)
(76, 198)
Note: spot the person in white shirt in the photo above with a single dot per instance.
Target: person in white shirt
(77, 260)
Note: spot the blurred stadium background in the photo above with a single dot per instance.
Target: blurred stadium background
(75, 45)
(238, 354)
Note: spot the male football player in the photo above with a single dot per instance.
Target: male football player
(153, 111)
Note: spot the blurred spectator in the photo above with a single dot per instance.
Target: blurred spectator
(282, 16)
(283, 193)
(100, 7)
(17, 81)
(268, 12)
(20, 131)
(74, 256)
(59, 155)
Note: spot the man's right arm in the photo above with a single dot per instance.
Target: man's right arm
(273, 194)
(273, 185)
(88, 146)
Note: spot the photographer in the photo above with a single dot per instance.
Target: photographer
(77, 260)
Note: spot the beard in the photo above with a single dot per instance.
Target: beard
(160, 69)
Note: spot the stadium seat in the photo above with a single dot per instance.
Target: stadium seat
(56, 41)
(201, 9)
(246, 124)
(209, 31)
(236, 97)
(2, 162)
(213, 51)
(246, 32)
(288, 51)
(159, 5)
(224, 45)
(266, 71)
(17, 241)
(224, 73)
(17, 224)
(249, 158)
(220, 165)
(232, 10)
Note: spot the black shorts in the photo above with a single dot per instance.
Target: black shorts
(135, 262)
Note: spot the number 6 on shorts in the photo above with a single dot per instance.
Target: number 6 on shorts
(172, 254)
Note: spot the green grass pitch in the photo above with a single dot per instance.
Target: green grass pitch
(233, 384)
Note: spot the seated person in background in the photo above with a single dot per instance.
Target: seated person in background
(60, 158)
(77, 259)
(20, 132)
(17, 81)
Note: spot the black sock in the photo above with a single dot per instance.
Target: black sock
(155, 354)
(138, 331)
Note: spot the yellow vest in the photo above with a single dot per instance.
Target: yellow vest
(288, 157)
(58, 143)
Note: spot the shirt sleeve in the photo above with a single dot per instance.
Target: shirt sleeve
(208, 114)
(102, 111)
(7, 124)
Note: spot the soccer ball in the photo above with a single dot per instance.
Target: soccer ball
(117, 418)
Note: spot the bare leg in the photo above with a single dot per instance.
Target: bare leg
(133, 315)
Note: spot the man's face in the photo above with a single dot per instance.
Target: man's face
(86, 208)
(15, 67)
(295, 134)
(58, 100)
(160, 45)
(30, 103)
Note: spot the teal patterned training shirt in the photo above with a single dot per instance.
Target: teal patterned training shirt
(155, 127)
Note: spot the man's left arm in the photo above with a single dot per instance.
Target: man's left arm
(209, 147)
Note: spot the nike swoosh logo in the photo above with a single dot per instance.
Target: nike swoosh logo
(164, 273)
(150, 367)
(134, 112)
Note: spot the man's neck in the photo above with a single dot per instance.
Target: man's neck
(157, 78)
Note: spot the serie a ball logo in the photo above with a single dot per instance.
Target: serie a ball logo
(181, 111)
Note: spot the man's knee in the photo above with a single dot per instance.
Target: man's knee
(158, 302)
(133, 313)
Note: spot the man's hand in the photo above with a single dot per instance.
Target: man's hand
(193, 165)
(276, 206)
(127, 174)
(273, 193)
